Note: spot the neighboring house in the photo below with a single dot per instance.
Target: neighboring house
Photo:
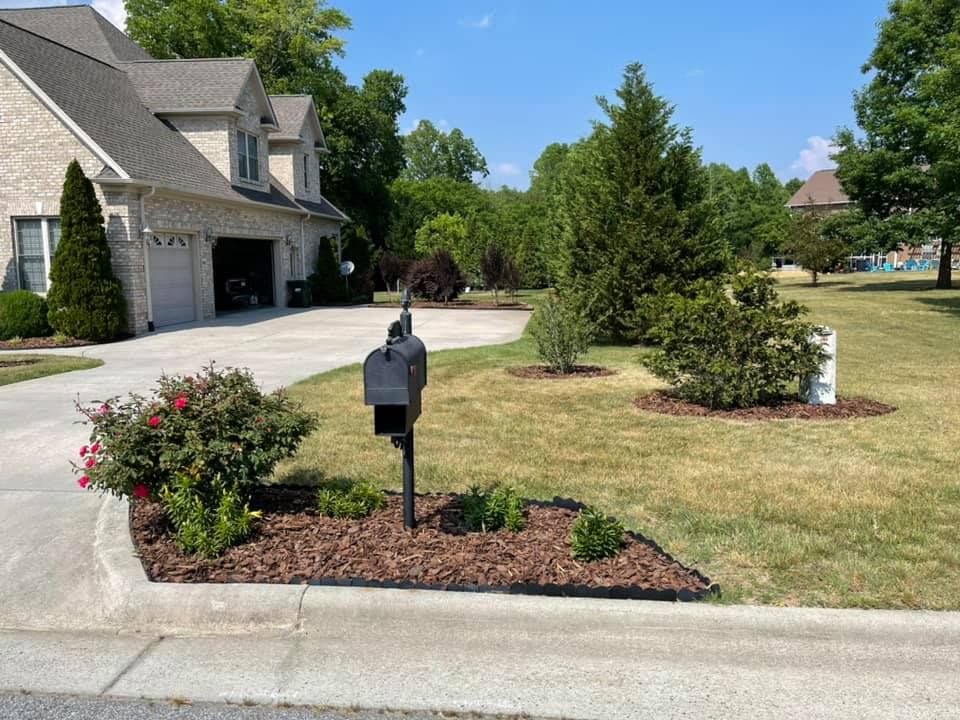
(208, 185)
(821, 193)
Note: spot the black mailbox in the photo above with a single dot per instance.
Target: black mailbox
(394, 376)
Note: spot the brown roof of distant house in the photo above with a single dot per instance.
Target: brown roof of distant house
(823, 188)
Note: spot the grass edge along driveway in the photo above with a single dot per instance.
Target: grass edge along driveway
(855, 513)
(21, 367)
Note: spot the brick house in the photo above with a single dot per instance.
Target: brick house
(821, 193)
(210, 188)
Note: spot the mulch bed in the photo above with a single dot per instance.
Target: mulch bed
(42, 343)
(542, 372)
(294, 544)
(846, 408)
(18, 363)
(458, 305)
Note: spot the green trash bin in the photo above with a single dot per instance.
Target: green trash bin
(299, 294)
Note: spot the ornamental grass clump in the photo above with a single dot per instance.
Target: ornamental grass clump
(353, 500)
(595, 536)
(493, 509)
(200, 444)
(731, 344)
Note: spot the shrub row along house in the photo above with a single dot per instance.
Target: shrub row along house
(210, 188)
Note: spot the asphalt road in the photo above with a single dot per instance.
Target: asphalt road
(67, 707)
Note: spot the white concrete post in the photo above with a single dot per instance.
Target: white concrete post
(822, 387)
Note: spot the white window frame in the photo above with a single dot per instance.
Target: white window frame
(44, 238)
(244, 140)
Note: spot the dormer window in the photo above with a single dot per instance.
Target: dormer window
(248, 153)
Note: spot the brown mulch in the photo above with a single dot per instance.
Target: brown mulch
(294, 544)
(41, 343)
(856, 407)
(17, 363)
(459, 305)
(542, 372)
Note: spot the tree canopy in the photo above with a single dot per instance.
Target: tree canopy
(432, 153)
(905, 169)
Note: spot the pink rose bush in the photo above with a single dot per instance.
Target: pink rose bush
(202, 441)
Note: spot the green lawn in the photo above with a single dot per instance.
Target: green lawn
(17, 368)
(861, 513)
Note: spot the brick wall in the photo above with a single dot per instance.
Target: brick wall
(36, 148)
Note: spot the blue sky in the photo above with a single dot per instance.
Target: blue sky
(758, 81)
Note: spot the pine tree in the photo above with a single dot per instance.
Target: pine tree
(85, 298)
(634, 212)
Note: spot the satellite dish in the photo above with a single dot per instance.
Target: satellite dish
(347, 267)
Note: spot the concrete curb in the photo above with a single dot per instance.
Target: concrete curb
(131, 602)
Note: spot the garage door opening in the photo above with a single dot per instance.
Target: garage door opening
(242, 274)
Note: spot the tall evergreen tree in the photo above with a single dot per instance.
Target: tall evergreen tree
(85, 298)
(905, 171)
(634, 211)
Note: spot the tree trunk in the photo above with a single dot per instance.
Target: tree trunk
(945, 273)
(813, 274)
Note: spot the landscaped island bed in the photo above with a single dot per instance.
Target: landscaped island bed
(293, 543)
(845, 408)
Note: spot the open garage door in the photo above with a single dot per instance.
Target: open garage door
(171, 279)
(242, 273)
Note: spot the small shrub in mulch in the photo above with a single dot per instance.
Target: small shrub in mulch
(846, 408)
(542, 372)
(294, 543)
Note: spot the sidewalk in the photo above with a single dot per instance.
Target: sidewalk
(549, 657)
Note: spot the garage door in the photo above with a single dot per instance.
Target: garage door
(171, 279)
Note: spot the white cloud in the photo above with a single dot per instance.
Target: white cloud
(478, 23)
(816, 156)
(507, 168)
(112, 10)
(696, 72)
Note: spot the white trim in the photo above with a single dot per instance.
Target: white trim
(179, 192)
(62, 116)
(47, 260)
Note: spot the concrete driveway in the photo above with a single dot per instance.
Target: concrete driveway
(47, 569)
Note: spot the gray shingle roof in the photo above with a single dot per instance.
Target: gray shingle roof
(290, 111)
(100, 98)
(79, 27)
(190, 84)
(325, 208)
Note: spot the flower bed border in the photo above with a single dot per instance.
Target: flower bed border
(613, 592)
(661, 402)
(542, 372)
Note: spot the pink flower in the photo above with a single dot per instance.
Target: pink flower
(141, 491)
(84, 450)
(95, 448)
(154, 421)
(84, 481)
(104, 409)
(91, 461)
(181, 403)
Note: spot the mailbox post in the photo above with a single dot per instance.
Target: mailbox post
(394, 376)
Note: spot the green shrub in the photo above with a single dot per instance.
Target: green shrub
(85, 299)
(208, 517)
(488, 511)
(736, 347)
(595, 536)
(200, 444)
(355, 501)
(326, 283)
(22, 314)
(437, 278)
(562, 334)
(217, 422)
